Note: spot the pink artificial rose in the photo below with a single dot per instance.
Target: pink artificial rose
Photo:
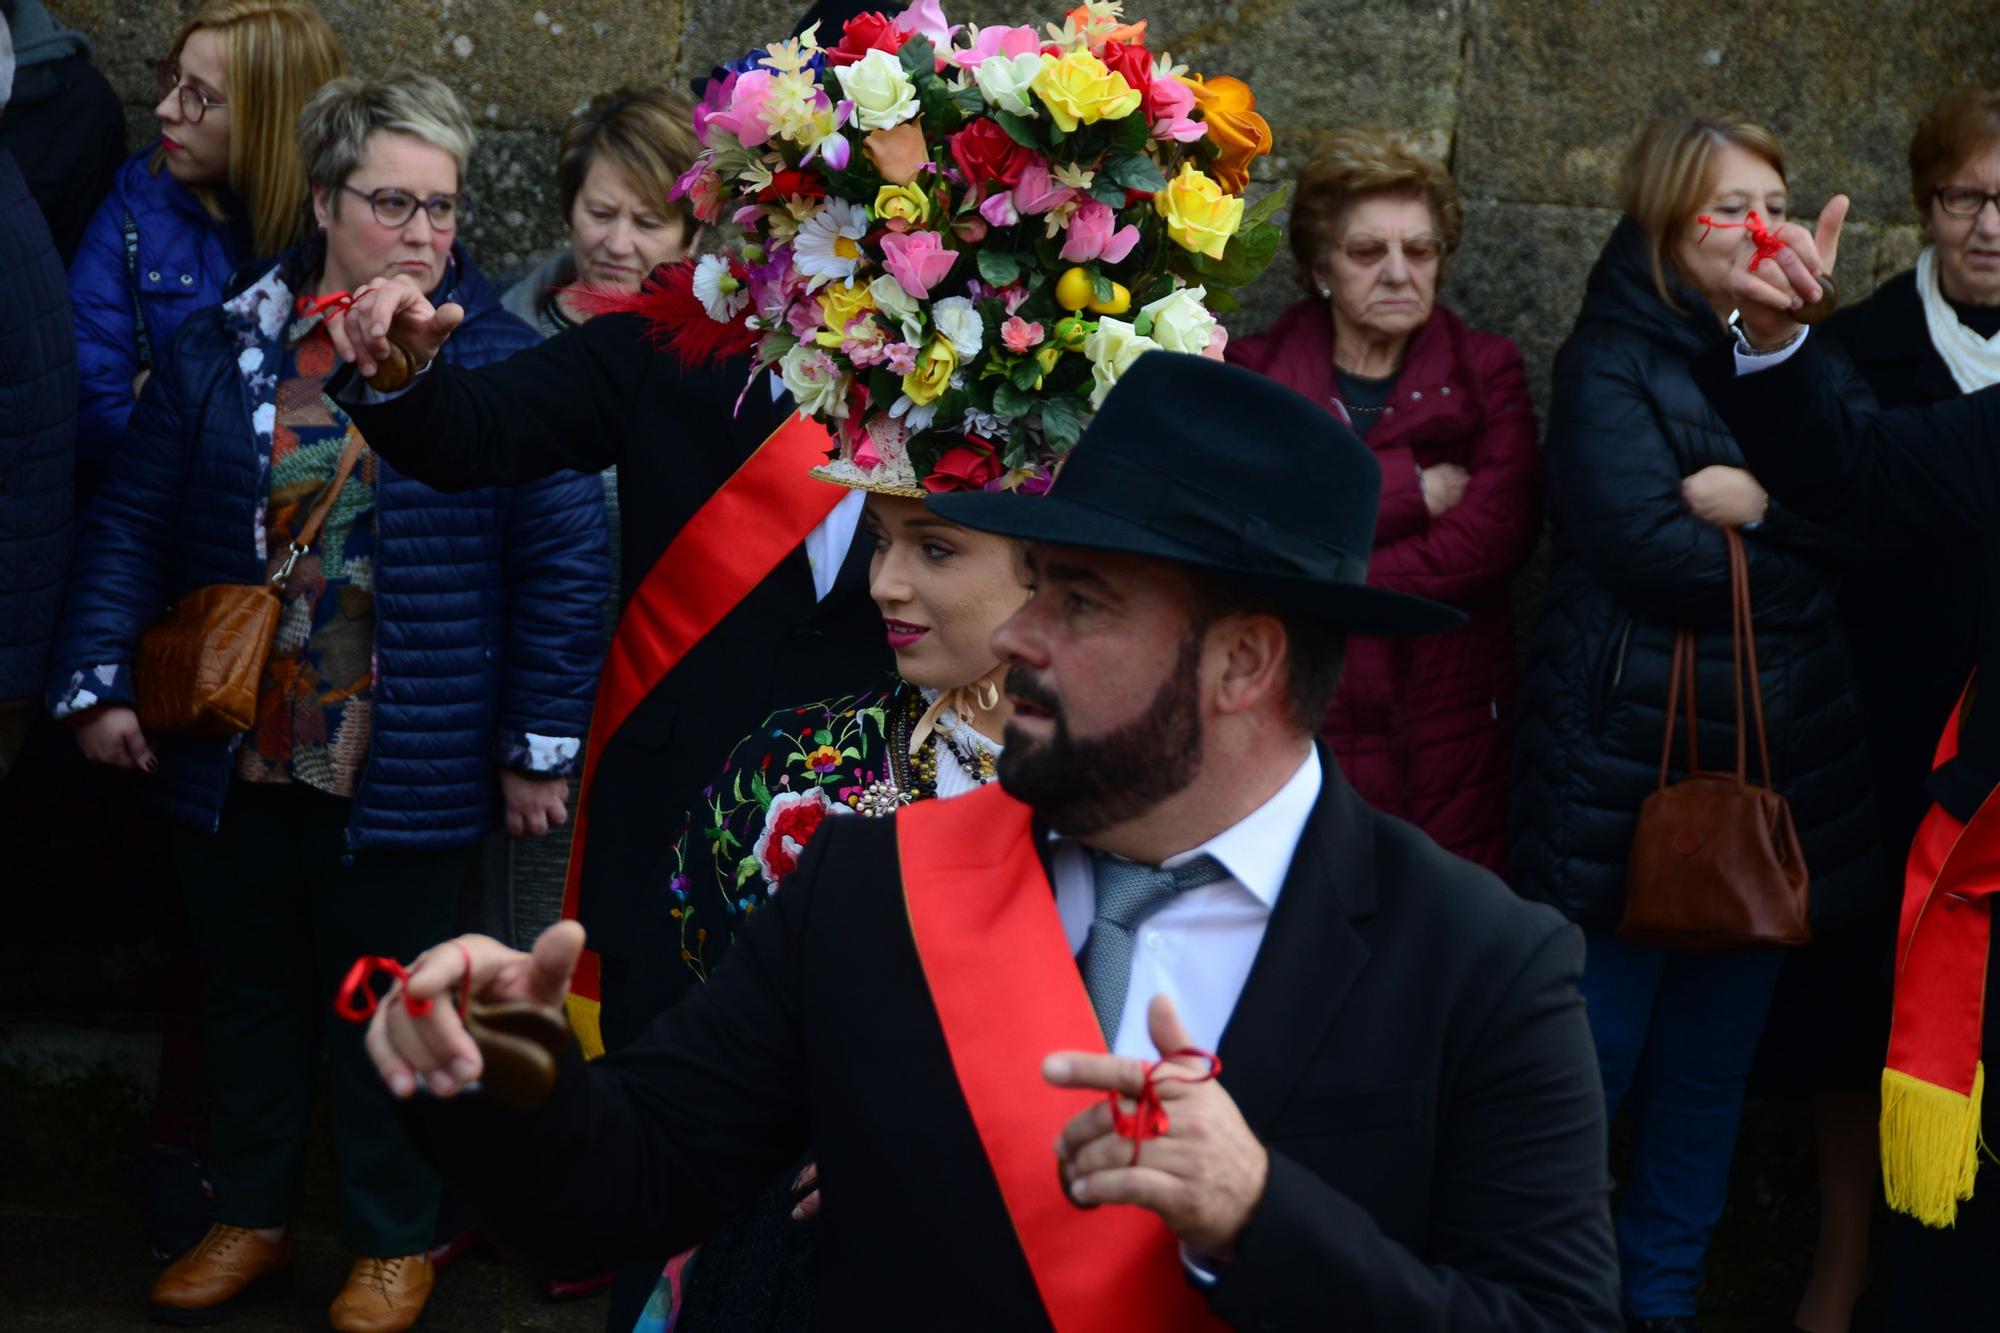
(917, 260)
(1216, 342)
(1168, 102)
(998, 40)
(1091, 235)
(1019, 335)
(745, 118)
(927, 17)
(999, 209)
(1035, 192)
(971, 230)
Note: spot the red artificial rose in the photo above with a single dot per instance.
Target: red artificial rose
(864, 33)
(794, 184)
(986, 154)
(1131, 61)
(966, 468)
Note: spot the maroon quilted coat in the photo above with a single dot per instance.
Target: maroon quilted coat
(1422, 726)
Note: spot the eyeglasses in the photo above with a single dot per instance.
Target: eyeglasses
(1965, 201)
(1368, 250)
(393, 207)
(194, 102)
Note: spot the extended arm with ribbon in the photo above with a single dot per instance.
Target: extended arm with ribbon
(1768, 246)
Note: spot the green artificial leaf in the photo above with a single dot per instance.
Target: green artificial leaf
(1100, 288)
(939, 112)
(1221, 300)
(1015, 455)
(1246, 256)
(1019, 128)
(1257, 214)
(918, 57)
(1107, 192)
(951, 407)
(1135, 171)
(998, 267)
(970, 101)
(1143, 325)
(1159, 287)
(1130, 134)
(1062, 421)
(1027, 372)
(1009, 401)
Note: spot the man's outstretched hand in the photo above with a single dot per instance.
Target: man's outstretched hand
(360, 333)
(1769, 298)
(435, 1049)
(1204, 1176)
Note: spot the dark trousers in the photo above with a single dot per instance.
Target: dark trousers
(282, 916)
(1944, 1277)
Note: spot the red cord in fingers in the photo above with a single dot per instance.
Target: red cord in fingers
(308, 306)
(1148, 1119)
(1767, 244)
(355, 1001)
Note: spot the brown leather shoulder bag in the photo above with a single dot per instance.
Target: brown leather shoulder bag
(199, 667)
(1716, 864)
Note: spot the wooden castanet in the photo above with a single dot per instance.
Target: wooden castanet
(1829, 301)
(519, 1042)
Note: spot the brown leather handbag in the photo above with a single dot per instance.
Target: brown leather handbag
(1716, 865)
(199, 667)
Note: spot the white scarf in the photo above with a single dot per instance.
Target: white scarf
(1973, 361)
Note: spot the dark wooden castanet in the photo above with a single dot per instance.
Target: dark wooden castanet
(518, 1042)
(1829, 301)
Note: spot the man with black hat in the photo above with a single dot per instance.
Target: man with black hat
(1407, 1129)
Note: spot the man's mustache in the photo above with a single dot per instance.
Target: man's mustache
(1023, 688)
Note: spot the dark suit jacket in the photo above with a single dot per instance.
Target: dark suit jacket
(1410, 1045)
(601, 396)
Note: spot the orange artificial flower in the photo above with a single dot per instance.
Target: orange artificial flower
(1229, 109)
(1104, 27)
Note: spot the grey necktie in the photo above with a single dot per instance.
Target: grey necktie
(1128, 893)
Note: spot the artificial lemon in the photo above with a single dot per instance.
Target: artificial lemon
(1073, 289)
(1120, 302)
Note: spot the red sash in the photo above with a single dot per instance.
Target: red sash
(1007, 993)
(767, 507)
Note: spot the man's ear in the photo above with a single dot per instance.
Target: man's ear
(1252, 647)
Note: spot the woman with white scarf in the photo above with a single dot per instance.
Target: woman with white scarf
(1923, 336)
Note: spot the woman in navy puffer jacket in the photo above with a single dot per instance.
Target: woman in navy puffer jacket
(436, 656)
(222, 184)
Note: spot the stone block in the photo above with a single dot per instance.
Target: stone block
(1554, 94)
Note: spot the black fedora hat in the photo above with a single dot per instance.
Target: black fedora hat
(1220, 469)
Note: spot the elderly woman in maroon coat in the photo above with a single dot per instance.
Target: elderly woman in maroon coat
(1421, 727)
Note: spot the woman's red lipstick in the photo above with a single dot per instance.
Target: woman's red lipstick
(902, 633)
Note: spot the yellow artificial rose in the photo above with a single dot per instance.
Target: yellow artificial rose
(1229, 109)
(902, 203)
(838, 304)
(927, 383)
(1200, 217)
(1078, 90)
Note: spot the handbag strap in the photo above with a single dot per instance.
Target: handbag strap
(1744, 632)
(1681, 677)
(322, 506)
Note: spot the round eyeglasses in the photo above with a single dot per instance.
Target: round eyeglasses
(195, 101)
(393, 207)
(1965, 201)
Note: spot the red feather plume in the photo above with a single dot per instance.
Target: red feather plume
(678, 320)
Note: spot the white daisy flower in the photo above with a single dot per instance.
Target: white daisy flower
(718, 290)
(829, 243)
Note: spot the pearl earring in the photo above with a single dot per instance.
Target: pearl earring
(1325, 292)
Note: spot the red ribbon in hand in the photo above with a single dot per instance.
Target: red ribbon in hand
(1148, 1119)
(1767, 244)
(355, 1001)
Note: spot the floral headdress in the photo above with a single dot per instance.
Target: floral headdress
(952, 241)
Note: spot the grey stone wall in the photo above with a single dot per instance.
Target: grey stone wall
(1533, 101)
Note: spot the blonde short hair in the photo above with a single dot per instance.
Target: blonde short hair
(1365, 162)
(1956, 129)
(648, 133)
(335, 126)
(1664, 180)
(275, 55)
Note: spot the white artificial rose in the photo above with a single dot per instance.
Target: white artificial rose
(958, 320)
(814, 380)
(1004, 81)
(1181, 323)
(892, 300)
(882, 94)
(1111, 351)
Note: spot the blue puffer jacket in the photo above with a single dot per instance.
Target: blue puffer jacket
(184, 261)
(37, 436)
(487, 602)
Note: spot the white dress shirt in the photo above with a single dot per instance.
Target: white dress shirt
(1199, 947)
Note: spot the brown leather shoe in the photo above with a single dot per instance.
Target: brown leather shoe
(208, 1283)
(383, 1295)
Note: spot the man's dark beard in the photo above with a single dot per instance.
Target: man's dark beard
(1082, 787)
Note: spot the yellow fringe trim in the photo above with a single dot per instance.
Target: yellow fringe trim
(1930, 1145)
(583, 1022)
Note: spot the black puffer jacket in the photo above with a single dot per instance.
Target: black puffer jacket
(1631, 562)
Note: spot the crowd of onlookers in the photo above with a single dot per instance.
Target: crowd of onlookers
(168, 387)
